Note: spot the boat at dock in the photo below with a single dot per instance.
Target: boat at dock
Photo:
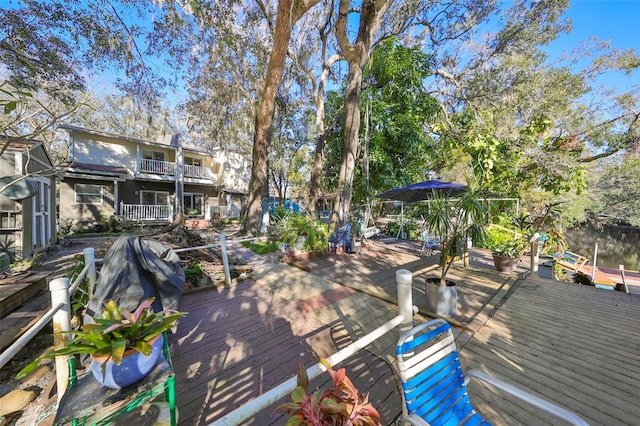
(599, 276)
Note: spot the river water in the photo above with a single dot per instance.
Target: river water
(616, 246)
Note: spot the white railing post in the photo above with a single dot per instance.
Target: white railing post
(595, 260)
(225, 260)
(59, 289)
(535, 253)
(404, 281)
(90, 259)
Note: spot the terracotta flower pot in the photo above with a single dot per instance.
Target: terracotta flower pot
(505, 265)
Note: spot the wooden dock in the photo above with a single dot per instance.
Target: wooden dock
(576, 345)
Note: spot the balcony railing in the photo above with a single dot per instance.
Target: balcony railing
(143, 212)
(224, 211)
(197, 172)
(157, 167)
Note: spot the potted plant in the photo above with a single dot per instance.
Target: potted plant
(509, 244)
(301, 232)
(124, 346)
(340, 405)
(507, 255)
(455, 221)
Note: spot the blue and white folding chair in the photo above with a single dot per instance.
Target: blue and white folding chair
(434, 386)
(429, 244)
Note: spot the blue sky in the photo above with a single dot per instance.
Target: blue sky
(617, 21)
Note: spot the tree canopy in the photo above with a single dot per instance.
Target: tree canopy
(457, 88)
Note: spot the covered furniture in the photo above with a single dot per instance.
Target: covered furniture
(434, 386)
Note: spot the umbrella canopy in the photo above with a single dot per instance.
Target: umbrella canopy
(424, 190)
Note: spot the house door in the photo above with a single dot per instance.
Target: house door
(41, 226)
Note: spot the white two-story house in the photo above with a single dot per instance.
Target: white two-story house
(140, 180)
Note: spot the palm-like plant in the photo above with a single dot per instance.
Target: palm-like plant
(455, 221)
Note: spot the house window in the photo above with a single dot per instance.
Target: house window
(88, 193)
(153, 155)
(193, 203)
(193, 161)
(154, 198)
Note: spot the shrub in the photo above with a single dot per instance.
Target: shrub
(293, 225)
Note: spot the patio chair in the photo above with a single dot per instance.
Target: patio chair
(429, 244)
(434, 386)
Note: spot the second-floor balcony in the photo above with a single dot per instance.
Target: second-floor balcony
(197, 172)
(167, 168)
(157, 167)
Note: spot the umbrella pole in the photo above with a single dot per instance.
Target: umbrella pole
(401, 229)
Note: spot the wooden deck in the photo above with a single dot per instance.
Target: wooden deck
(576, 345)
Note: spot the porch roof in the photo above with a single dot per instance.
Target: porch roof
(93, 171)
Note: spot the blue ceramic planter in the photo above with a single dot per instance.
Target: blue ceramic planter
(133, 368)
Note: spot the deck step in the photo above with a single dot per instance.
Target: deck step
(17, 289)
(23, 301)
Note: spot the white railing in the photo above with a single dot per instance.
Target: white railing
(157, 167)
(404, 319)
(62, 289)
(60, 313)
(146, 212)
(224, 211)
(197, 172)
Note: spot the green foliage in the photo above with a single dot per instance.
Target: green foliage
(292, 225)
(193, 272)
(263, 247)
(400, 109)
(410, 227)
(616, 193)
(511, 235)
(115, 333)
(455, 220)
(340, 405)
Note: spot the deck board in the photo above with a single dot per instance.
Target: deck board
(572, 344)
(575, 345)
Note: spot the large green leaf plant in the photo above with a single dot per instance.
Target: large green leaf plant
(115, 333)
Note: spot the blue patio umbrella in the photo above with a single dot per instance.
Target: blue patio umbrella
(424, 190)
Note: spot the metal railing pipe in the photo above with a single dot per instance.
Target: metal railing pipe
(92, 274)
(225, 260)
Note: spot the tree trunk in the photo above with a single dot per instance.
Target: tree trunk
(351, 140)
(357, 54)
(316, 174)
(289, 12)
(318, 159)
(264, 118)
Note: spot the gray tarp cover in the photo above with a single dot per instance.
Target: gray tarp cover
(134, 270)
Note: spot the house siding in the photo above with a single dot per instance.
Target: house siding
(77, 216)
(102, 156)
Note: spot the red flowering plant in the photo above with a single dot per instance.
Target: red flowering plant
(341, 405)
